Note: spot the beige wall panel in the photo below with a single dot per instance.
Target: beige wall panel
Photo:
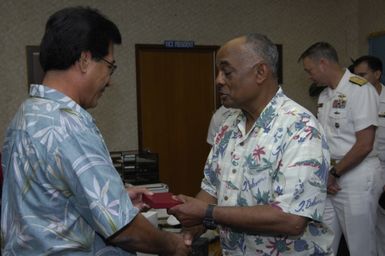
(293, 23)
(371, 19)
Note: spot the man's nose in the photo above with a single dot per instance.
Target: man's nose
(219, 81)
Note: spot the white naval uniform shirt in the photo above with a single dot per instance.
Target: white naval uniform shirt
(345, 110)
(380, 133)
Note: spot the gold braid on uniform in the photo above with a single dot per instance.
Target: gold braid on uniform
(358, 80)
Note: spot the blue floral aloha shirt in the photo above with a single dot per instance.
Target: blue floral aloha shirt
(62, 195)
(282, 161)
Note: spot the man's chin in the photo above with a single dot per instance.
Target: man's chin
(91, 105)
(227, 105)
(226, 102)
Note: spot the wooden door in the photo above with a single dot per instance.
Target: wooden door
(176, 99)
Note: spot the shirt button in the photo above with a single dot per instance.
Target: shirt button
(234, 170)
(226, 198)
(242, 143)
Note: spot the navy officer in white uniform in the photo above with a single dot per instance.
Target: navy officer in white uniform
(370, 68)
(348, 110)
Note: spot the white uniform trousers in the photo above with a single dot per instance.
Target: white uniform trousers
(381, 222)
(381, 232)
(353, 210)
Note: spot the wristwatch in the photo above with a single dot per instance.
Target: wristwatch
(208, 220)
(333, 172)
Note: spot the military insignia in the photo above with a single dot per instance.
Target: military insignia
(340, 102)
(357, 80)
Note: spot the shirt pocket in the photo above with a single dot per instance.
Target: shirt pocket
(337, 120)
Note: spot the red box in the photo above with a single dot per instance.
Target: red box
(160, 200)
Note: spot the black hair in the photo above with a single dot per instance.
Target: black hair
(73, 30)
(374, 63)
(320, 50)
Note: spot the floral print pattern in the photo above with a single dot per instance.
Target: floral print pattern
(282, 161)
(62, 194)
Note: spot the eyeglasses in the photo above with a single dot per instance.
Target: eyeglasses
(111, 65)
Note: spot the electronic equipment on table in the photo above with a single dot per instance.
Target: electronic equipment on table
(136, 167)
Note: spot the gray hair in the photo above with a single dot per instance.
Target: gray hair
(264, 48)
(320, 50)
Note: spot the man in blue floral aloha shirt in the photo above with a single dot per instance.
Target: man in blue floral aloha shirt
(62, 194)
(264, 182)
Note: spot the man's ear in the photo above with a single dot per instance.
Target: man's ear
(322, 63)
(84, 61)
(377, 74)
(261, 72)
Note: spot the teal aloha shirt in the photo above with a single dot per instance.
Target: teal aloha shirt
(282, 161)
(61, 194)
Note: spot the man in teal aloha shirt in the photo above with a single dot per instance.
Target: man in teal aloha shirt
(64, 212)
(61, 192)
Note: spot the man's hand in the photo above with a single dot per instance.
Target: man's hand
(181, 246)
(191, 212)
(135, 194)
(192, 233)
(333, 186)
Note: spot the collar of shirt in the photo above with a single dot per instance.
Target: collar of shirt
(65, 102)
(341, 85)
(266, 116)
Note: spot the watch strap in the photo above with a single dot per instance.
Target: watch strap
(333, 172)
(208, 220)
